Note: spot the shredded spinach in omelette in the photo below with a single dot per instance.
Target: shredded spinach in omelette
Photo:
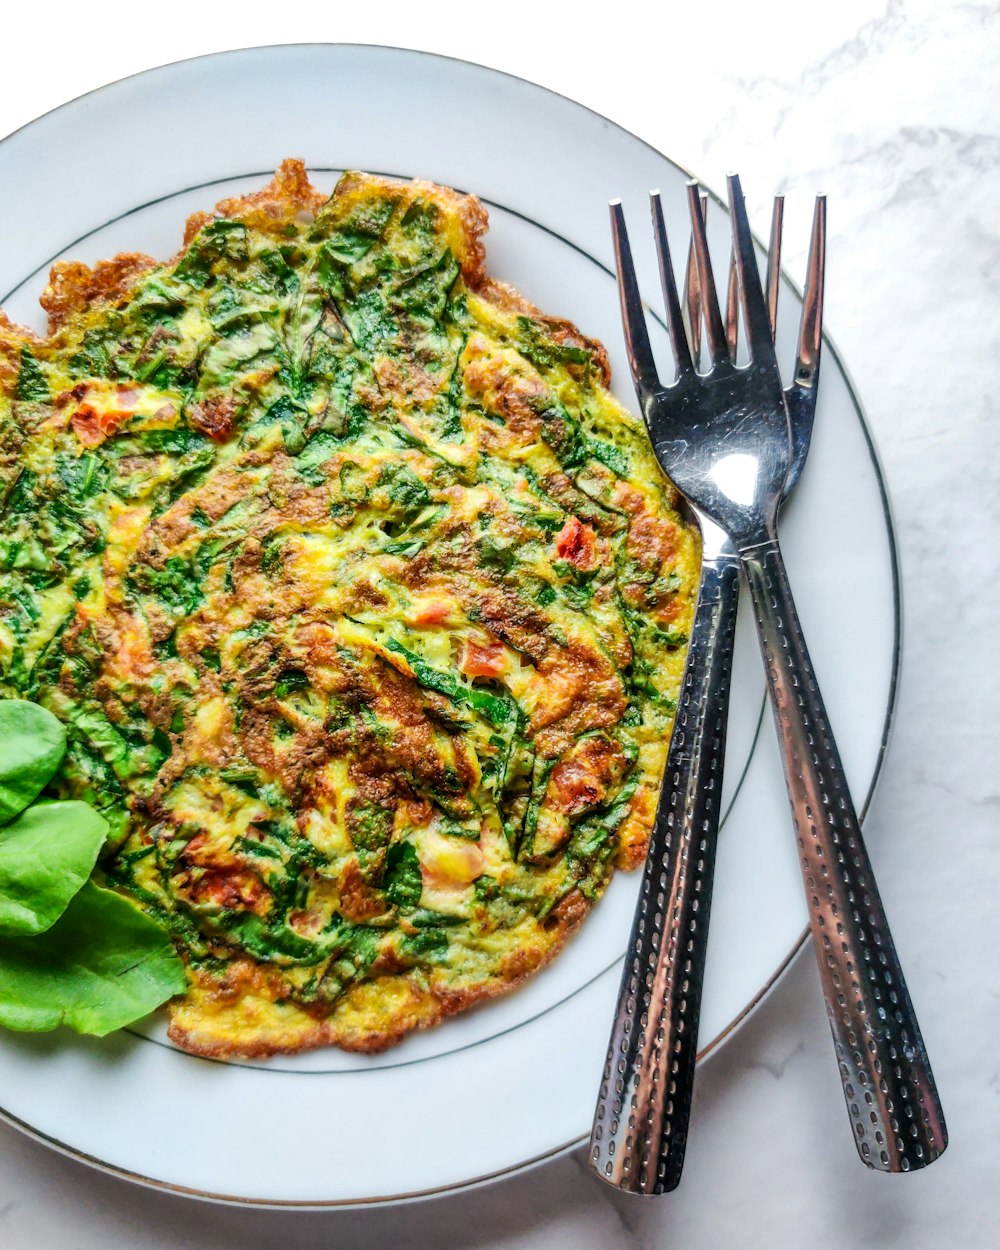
(362, 601)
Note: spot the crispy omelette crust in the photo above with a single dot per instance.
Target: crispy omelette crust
(363, 601)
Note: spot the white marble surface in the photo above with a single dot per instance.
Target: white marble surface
(889, 106)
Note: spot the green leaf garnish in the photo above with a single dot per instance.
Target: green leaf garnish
(70, 952)
(46, 855)
(32, 744)
(103, 964)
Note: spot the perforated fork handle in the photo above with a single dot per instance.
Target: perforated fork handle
(888, 1084)
(640, 1126)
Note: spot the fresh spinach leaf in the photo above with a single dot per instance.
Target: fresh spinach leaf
(32, 743)
(46, 855)
(103, 964)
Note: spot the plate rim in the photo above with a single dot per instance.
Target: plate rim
(724, 1034)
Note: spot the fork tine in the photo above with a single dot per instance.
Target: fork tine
(692, 292)
(773, 279)
(771, 284)
(640, 354)
(811, 324)
(754, 308)
(675, 321)
(732, 308)
(800, 396)
(710, 301)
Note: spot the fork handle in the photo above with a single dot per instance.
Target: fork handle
(640, 1126)
(888, 1085)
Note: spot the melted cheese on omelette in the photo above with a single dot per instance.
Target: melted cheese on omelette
(363, 601)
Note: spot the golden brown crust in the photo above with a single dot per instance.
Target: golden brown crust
(466, 216)
(633, 836)
(558, 329)
(426, 1007)
(286, 197)
(12, 338)
(74, 286)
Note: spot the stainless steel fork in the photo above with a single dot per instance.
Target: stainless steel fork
(724, 440)
(681, 858)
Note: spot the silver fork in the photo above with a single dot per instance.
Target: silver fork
(724, 440)
(681, 859)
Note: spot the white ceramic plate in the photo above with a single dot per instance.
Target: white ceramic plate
(513, 1082)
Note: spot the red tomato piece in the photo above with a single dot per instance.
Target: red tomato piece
(479, 660)
(577, 544)
(432, 613)
(93, 427)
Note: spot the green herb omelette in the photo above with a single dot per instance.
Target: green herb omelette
(361, 599)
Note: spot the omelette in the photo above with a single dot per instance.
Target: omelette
(363, 601)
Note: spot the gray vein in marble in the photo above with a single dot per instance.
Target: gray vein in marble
(847, 55)
(632, 1217)
(872, 37)
(626, 1208)
(984, 12)
(985, 800)
(777, 1070)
